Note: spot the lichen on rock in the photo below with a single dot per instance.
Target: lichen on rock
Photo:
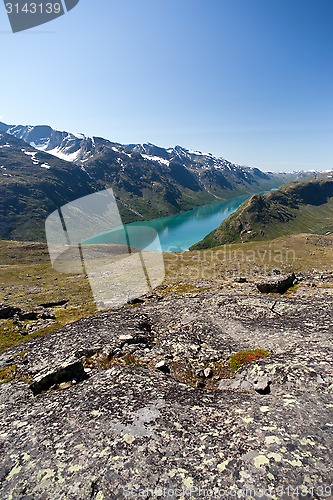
(130, 430)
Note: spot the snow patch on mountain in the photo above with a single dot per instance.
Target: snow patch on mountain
(32, 155)
(63, 155)
(156, 158)
(64, 145)
(190, 168)
(198, 153)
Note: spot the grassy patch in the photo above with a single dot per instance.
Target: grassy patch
(246, 357)
(304, 207)
(7, 374)
(298, 253)
(108, 361)
(221, 369)
(27, 280)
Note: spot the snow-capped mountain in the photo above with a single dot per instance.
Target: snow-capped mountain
(192, 160)
(64, 145)
(32, 185)
(39, 165)
(79, 148)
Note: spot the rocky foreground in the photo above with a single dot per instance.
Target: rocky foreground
(140, 402)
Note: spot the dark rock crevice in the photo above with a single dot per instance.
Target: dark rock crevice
(72, 372)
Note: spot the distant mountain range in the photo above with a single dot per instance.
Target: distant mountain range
(42, 169)
(298, 207)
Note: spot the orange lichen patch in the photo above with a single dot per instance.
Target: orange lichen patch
(245, 357)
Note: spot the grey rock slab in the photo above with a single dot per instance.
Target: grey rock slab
(130, 431)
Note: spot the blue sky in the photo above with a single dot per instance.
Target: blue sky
(249, 80)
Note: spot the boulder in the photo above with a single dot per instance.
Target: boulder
(46, 314)
(277, 284)
(8, 312)
(129, 431)
(208, 372)
(240, 279)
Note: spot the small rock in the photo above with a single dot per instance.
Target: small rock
(46, 314)
(199, 373)
(136, 301)
(28, 315)
(240, 279)
(126, 338)
(64, 385)
(262, 385)
(58, 303)
(208, 372)
(162, 367)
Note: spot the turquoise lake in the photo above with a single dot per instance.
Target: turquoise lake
(178, 232)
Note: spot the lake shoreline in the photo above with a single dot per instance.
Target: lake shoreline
(177, 233)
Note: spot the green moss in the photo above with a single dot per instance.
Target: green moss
(21, 354)
(130, 359)
(107, 361)
(245, 357)
(7, 374)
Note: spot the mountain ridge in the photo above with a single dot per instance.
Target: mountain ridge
(294, 208)
(148, 181)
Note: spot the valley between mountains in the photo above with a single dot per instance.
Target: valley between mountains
(216, 384)
(42, 169)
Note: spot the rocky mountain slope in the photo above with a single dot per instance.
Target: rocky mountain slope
(32, 185)
(303, 207)
(148, 181)
(139, 401)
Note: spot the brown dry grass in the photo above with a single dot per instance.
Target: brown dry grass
(27, 278)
